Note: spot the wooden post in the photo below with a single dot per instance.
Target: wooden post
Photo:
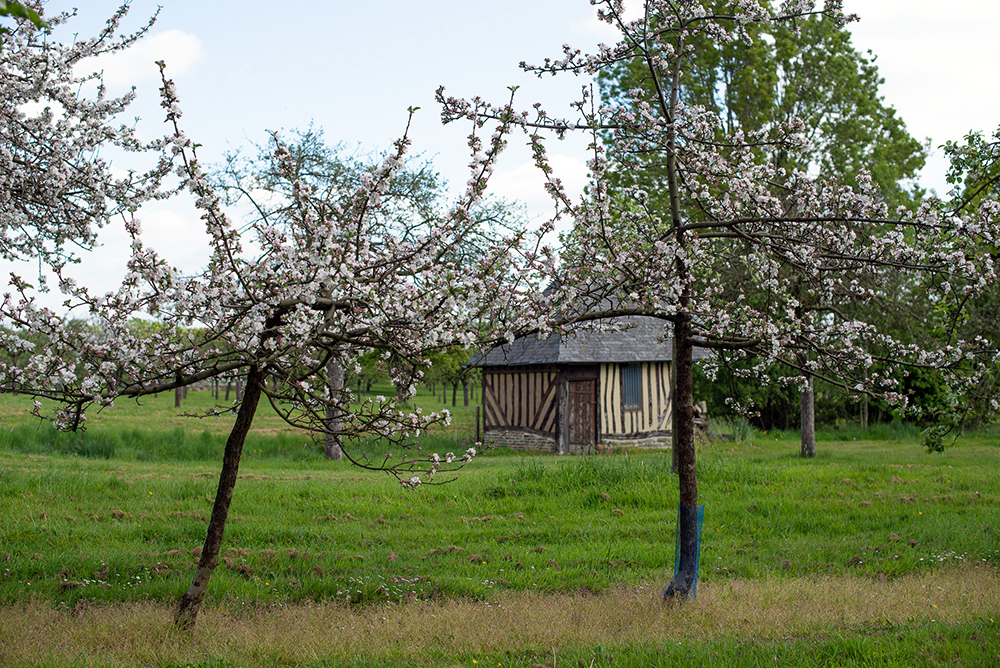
(333, 442)
(478, 439)
(562, 435)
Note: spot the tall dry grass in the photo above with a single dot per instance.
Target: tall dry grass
(449, 632)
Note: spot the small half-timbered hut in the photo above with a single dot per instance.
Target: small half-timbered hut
(581, 392)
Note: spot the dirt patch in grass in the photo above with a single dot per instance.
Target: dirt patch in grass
(248, 633)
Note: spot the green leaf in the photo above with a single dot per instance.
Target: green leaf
(18, 10)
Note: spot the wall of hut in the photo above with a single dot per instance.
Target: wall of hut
(521, 399)
(649, 416)
(530, 407)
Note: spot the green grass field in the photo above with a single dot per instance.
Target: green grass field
(873, 553)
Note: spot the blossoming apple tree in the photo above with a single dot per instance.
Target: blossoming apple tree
(280, 302)
(266, 184)
(747, 258)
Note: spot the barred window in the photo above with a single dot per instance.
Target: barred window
(631, 387)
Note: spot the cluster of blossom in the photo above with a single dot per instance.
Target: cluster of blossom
(57, 189)
(436, 461)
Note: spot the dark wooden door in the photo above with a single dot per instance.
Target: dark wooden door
(581, 412)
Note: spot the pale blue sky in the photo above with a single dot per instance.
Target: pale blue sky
(353, 68)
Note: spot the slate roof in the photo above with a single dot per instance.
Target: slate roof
(644, 340)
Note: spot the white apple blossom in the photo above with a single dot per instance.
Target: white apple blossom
(57, 188)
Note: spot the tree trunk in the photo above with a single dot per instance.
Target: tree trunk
(465, 391)
(178, 393)
(808, 413)
(333, 440)
(673, 412)
(683, 427)
(190, 603)
(454, 395)
(864, 411)
(683, 399)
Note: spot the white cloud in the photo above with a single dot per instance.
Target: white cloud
(172, 228)
(175, 230)
(526, 184)
(933, 63)
(594, 27)
(181, 51)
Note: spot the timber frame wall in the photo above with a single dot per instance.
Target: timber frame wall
(653, 415)
(530, 401)
(522, 398)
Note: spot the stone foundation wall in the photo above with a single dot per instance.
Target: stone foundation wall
(656, 442)
(534, 442)
(519, 440)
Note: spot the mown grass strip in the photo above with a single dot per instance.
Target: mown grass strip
(929, 619)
